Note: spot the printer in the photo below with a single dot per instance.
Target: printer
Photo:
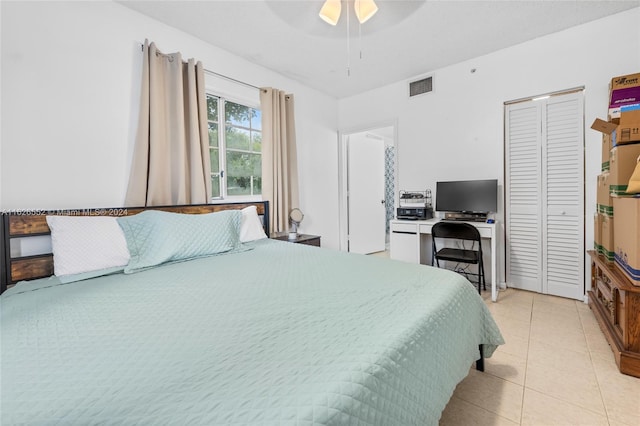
(415, 205)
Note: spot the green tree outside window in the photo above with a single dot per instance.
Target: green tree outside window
(236, 153)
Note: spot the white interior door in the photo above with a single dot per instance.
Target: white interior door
(523, 196)
(365, 194)
(545, 195)
(563, 186)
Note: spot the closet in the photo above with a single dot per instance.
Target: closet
(544, 194)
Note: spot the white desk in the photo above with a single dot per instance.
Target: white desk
(408, 243)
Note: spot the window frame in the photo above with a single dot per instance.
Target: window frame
(222, 144)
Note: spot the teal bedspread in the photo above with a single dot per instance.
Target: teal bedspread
(281, 334)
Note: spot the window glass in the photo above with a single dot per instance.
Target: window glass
(238, 138)
(212, 108)
(213, 134)
(236, 152)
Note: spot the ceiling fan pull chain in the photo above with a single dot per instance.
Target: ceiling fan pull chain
(360, 38)
(348, 45)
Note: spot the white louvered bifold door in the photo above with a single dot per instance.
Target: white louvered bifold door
(544, 197)
(563, 177)
(522, 196)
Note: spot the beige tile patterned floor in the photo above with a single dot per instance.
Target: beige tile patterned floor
(556, 368)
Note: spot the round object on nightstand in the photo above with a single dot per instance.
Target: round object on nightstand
(295, 217)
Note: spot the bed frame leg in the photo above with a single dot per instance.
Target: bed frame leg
(480, 362)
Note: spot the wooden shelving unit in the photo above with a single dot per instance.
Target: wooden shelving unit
(616, 305)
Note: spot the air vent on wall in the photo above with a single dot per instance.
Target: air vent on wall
(421, 86)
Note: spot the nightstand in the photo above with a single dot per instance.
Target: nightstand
(310, 240)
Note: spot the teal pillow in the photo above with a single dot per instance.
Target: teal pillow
(155, 237)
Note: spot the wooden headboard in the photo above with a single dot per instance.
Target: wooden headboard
(33, 223)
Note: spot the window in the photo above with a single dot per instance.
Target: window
(235, 148)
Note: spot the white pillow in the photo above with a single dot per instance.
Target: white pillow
(83, 244)
(251, 227)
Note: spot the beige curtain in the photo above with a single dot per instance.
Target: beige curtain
(279, 160)
(171, 162)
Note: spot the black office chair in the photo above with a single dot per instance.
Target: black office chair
(462, 232)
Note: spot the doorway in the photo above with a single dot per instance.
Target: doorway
(367, 178)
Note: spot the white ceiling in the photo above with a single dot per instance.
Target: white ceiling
(404, 39)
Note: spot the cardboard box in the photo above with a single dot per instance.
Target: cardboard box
(626, 237)
(607, 128)
(624, 90)
(622, 98)
(603, 196)
(597, 232)
(606, 151)
(622, 163)
(628, 130)
(625, 81)
(607, 237)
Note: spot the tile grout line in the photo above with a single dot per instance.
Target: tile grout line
(480, 407)
(606, 415)
(526, 361)
(595, 373)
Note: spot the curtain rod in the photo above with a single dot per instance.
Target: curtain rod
(219, 75)
(230, 78)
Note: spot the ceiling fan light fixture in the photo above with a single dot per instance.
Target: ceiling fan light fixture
(330, 12)
(365, 9)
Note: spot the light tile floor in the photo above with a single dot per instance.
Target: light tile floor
(556, 368)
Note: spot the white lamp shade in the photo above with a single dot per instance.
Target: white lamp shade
(330, 11)
(365, 9)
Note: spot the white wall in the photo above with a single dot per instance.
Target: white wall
(70, 92)
(456, 132)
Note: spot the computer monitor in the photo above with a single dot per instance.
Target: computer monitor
(467, 196)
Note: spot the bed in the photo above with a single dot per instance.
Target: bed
(269, 333)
